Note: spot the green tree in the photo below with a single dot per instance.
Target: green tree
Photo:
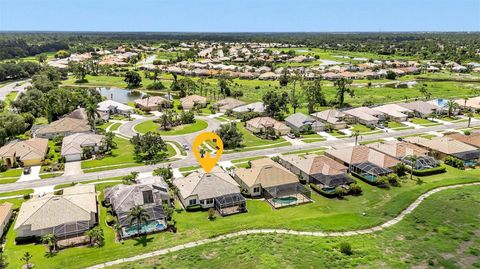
(41, 58)
(276, 104)
(51, 241)
(109, 141)
(231, 136)
(451, 105)
(79, 70)
(425, 92)
(92, 114)
(314, 95)
(355, 134)
(224, 83)
(133, 79)
(95, 236)
(413, 163)
(139, 216)
(149, 147)
(470, 116)
(342, 85)
(165, 172)
(26, 258)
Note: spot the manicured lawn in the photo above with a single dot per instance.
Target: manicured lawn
(337, 133)
(179, 147)
(115, 126)
(318, 151)
(362, 129)
(251, 140)
(248, 159)
(9, 99)
(123, 154)
(370, 141)
(423, 237)
(189, 168)
(310, 138)
(424, 122)
(11, 173)
(378, 205)
(50, 175)
(394, 124)
(151, 126)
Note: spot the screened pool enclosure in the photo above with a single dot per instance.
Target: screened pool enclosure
(230, 204)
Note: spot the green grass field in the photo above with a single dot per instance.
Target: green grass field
(123, 154)
(151, 126)
(378, 205)
(424, 239)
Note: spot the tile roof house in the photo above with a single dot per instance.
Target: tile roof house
(320, 170)
(152, 103)
(398, 149)
(473, 139)
(365, 115)
(113, 107)
(215, 189)
(191, 101)
(302, 123)
(66, 215)
(472, 103)
(440, 147)
(420, 108)
(73, 145)
(228, 104)
(332, 116)
(149, 193)
(6, 210)
(253, 107)
(63, 127)
(260, 124)
(28, 152)
(394, 111)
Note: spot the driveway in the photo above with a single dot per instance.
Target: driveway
(73, 168)
(11, 87)
(34, 174)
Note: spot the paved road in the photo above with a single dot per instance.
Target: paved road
(190, 160)
(381, 227)
(5, 90)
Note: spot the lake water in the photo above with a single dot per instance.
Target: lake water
(120, 95)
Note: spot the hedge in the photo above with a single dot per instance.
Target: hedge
(427, 172)
(194, 208)
(322, 192)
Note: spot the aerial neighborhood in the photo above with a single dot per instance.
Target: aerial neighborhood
(96, 157)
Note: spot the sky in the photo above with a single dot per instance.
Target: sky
(240, 15)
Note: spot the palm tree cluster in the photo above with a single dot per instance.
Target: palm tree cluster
(138, 216)
(171, 118)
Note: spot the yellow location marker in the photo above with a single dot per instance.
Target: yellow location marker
(203, 150)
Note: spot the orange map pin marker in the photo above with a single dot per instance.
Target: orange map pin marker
(207, 148)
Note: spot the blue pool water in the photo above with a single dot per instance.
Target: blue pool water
(370, 177)
(440, 102)
(145, 228)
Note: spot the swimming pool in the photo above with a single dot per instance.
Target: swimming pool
(145, 228)
(285, 200)
(440, 102)
(369, 177)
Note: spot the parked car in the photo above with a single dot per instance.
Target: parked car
(27, 170)
(291, 135)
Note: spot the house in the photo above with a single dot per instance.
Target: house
(473, 139)
(403, 151)
(112, 107)
(394, 112)
(68, 215)
(364, 161)
(472, 103)
(441, 147)
(74, 145)
(6, 210)
(253, 107)
(274, 182)
(366, 115)
(300, 122)
(62, 127)
(149, 193)
(333, 117)
(420, 108)
(25, 152)
(153, 103)
(260, 125)
(228, 104)
(192, 101)
(211, 190)
(320, 170)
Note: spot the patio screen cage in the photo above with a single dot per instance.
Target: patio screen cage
(230, 204)
(468, 155)
(369, 170)
(71, 229)
(154, 212)
(422, 163)
(330, 181)
(285, 190)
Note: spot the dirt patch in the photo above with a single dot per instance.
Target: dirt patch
(210, 255)
(423, 265)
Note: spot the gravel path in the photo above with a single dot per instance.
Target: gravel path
(387, 224)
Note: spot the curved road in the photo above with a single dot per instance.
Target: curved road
(190, 160)
(381, 227)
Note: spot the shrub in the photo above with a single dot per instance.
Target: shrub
(322, 192)
(346, 248)
(156, 86)
(467, 132)
(26, 196)
(454, 162)
(110, 220)
(194, 208)
(211, 214)
(429, 171)
(400, 169)
(355, 189)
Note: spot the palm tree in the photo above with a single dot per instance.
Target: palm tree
(470, 116)
(26, 258)
(108, 141)
(134, 175)
(413, 163)
(92, 114)
(51, 241)
(355, 134)
(117, 228)
(451, 105)
(138, 215)
(95, 236)
(342, 88)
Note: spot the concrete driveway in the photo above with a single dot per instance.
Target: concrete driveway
(73, 168)
(34, 174)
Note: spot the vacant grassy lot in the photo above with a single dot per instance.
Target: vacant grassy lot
(151, 126)
(123, 154)
(378, 205)
(422, 238)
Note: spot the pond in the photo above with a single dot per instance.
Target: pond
(120, 95)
